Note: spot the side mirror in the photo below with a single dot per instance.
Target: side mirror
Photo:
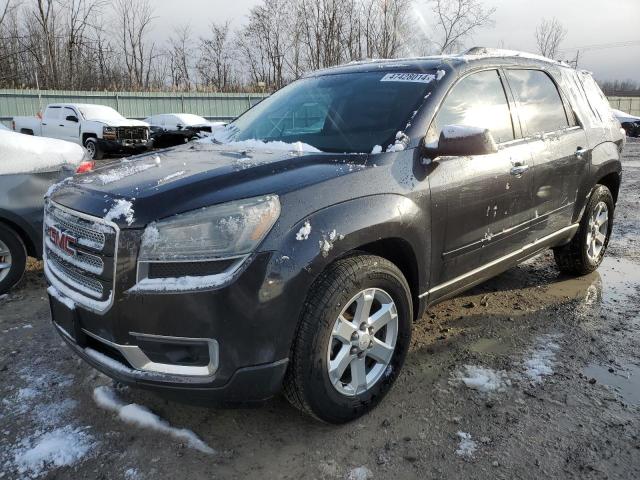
(179, 126)
(462, 141)
(72, 118)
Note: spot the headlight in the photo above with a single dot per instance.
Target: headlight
(227, 230)
(109, 133)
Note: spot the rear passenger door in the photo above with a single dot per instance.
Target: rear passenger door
(558, 144)
(51, 122)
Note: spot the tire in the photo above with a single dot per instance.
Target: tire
(338, 291)
(26, 131)
(578, 257)
(14, 253)
(95, 152)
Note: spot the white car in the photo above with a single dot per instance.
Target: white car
(29, 166)
(100, 129)
(170, 129)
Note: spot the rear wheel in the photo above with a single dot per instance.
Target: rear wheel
(95, 153)
(13, 258)
(352, 339)
(586, 250)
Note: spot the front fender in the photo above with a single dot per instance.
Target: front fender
(344, 227)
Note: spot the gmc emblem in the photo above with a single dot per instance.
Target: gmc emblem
(62, 240)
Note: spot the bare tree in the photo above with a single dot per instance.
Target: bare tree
(134, 23)
(549, 36)
(456, 20)
(216, 65)
(180, 52)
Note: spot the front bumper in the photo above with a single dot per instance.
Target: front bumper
(252, 321)
(117, 146)
(254, 384)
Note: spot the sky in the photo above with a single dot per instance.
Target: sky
(589, 23)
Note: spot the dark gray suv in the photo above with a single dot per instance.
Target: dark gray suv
(295, 250)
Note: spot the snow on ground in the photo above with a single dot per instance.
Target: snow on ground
(304, 232)
(51, 439)
(21, 153)
(541, 359)
(360, 473)
(483, 379)
(122, 208)
(61, 447)
(106, 397)
(466, 447)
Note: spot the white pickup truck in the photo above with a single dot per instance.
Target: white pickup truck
(98, 128)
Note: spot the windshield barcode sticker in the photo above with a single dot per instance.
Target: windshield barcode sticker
(409, 77)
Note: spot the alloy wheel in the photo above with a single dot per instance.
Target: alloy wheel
(598, 230)
(5, 260)
(362, 342)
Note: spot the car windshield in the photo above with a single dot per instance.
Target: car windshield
(99, 112)
(350, 113)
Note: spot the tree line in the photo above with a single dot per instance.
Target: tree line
(110, 45)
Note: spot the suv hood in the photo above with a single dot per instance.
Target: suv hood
(188, 177)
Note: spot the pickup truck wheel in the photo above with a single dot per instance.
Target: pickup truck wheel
(13, 258)
(352, 339)
(586, 250)
(95, 153)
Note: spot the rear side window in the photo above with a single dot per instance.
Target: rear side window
(539, 102)
(596, 98)
(478, 100)
(52, 113)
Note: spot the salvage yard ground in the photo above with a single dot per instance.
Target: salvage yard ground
(530, 375)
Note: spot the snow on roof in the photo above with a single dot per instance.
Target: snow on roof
(624, 117)
(21, 153)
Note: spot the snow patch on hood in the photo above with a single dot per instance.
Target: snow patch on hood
(121, 209)
(21, 153)
(297, 147)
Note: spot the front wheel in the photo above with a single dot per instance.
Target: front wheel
(586, 250)
(13, 258)
(352, 339)
(95, 153)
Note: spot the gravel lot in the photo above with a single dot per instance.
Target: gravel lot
(530, 375)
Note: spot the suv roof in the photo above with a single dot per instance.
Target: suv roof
(475, 55)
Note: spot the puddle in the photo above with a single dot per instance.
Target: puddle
(612, 284)
(624, 381)
(490, 346)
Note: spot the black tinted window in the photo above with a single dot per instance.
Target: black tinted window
(539, 101)
(478, 101)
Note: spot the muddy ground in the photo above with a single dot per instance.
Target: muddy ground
(559, 359)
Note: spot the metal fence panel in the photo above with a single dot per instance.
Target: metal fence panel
(626, 104)
(213, 106)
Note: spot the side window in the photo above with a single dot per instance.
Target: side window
(478, 100)
(52, 113)
(68, 112)
(596, 98)
(539, 102)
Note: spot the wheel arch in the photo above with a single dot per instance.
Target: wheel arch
(399, 252)
(612, 182)
(27, 240)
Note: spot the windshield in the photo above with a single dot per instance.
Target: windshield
(99, 112)
(350, 113)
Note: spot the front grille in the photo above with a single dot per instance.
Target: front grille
(131, 133)
(83, 268)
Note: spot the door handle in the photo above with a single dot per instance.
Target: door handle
(581, 152)
(518, 169)
(61, 125)
(43, 124)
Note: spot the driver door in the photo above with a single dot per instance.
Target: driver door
(481, 204)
